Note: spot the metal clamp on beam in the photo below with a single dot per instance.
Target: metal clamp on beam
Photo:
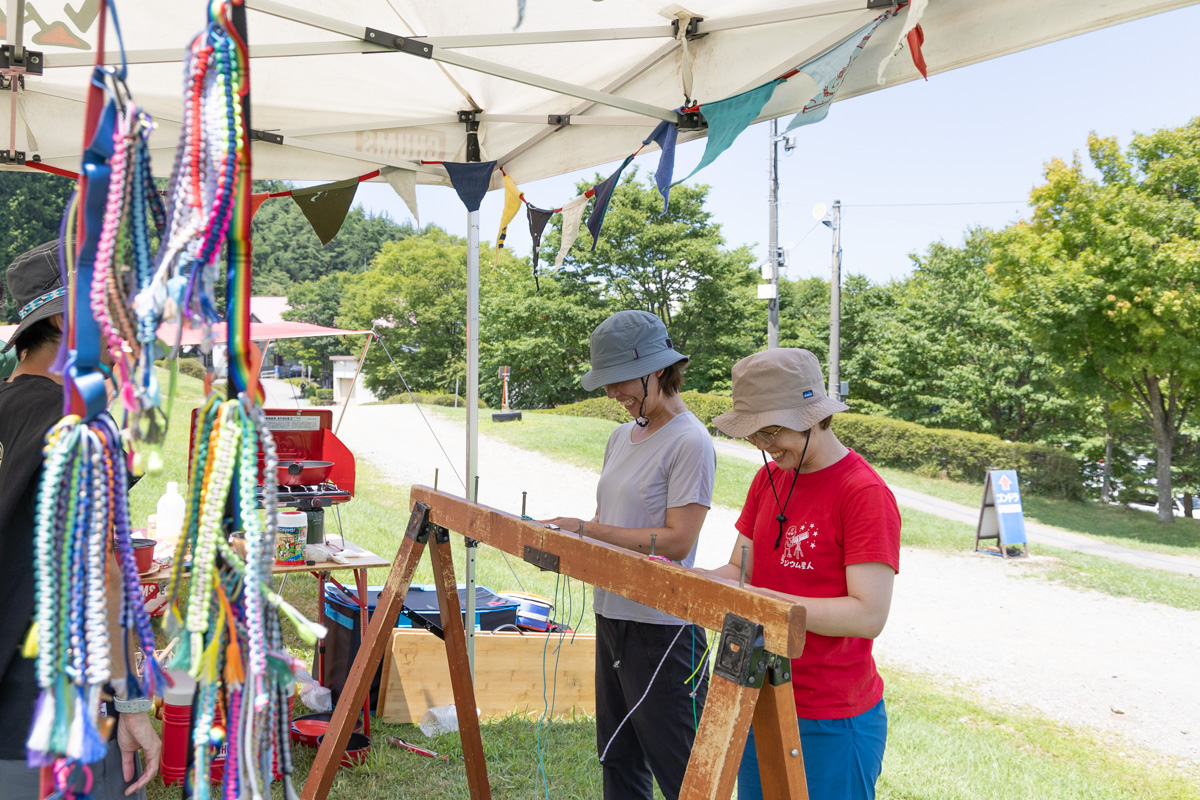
(266, 136)
(414, 47)
(31, 65)
(418, 529)
(691, 122)
(541, 559)
(779, 670)
(558, 119)
(742, 658)
(16, 157)
(880, 4)
(692, 31)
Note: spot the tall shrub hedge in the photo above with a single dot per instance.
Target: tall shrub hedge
(957, 455)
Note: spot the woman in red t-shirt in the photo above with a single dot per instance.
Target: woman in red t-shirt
(822, 525)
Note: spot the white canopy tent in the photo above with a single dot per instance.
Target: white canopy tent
(341, 88)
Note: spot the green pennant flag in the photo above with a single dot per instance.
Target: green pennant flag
(326, 206)
(729, 117)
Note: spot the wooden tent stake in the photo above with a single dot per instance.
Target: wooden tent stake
(751, 684)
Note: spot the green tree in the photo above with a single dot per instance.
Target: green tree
(31, 211)
(956, 356)
(673, 264)
(1107, 271)
(415, 296)
(317, 302)
(540, 334)
(287, 251)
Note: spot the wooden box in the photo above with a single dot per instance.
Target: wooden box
(508, 674)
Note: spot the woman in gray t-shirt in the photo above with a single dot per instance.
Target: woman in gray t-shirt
(654, 492)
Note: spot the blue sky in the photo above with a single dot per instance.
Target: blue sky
(980, 134)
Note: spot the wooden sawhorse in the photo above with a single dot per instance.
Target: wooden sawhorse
(761, 631)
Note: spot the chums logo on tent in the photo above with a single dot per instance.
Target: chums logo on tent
(408, 143)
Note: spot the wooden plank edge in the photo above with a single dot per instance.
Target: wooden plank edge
(652, 583)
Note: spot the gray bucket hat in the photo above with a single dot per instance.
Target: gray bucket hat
(629, 344)
(781, 386)
(35, 284)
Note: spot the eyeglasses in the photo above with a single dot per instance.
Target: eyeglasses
(764, 437)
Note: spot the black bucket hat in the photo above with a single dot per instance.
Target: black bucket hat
(35, 283)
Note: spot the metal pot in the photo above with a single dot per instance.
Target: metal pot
(303, 473)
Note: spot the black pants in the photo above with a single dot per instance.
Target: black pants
(656, 742)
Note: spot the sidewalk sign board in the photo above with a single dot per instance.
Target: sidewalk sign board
(1001, 516)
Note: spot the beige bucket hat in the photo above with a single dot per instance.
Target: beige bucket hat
(782, 386)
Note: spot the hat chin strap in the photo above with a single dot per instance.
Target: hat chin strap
(642, 421)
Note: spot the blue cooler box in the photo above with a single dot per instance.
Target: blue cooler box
(345, 624)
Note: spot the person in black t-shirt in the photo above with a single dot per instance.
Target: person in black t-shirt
(31, 402)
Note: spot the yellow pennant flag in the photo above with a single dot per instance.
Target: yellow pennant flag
(512, 204)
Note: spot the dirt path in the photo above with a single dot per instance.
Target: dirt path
(1119, 666)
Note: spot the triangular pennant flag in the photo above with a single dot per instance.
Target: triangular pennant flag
(538, 217)
(572, 215)
(916, 40)
(665, 136)
(603, 195)
(256, 200)
(828, 71)
(404, 184)
(470, 180)
(729, 117)
(512, 204)
(912, 18)
(326, 206)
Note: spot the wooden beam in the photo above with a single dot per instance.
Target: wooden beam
(686, 593)
(777, 732)
(375, 639)
(460, 670)
(720, 740)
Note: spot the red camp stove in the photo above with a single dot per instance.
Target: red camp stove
(305, 436)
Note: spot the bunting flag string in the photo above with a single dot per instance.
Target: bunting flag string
(572, 216)
(325, 207)
(471, 180)
(603, 192)
(829, 70)
(665, 136)
(910, 32)
(538, 217)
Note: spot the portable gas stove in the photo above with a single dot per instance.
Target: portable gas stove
(305, 434)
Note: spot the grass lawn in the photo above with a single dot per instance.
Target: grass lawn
(942, 744)
(1113, 524)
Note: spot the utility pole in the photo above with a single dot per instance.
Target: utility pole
(773, 238)
(835, 305)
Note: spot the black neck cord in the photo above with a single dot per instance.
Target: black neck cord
(782, 516)
(641, 421)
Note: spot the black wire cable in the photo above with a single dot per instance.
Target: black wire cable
(782, 516)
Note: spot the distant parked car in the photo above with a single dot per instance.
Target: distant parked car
(296, 371)
(1151, 504)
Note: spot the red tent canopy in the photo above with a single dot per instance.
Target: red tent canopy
(259, 332)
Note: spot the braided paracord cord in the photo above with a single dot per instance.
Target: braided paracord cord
(217, 489)
(96, 624)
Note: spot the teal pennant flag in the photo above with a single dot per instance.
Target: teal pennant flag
(729, 117)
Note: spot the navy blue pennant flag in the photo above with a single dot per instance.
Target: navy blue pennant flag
(470, 180)
(603, 193)
(665, 136)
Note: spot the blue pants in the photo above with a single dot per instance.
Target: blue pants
(842, 757)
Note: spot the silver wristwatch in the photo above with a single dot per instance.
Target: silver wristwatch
(138, 706)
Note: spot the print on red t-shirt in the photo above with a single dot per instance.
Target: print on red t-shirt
(843, 514)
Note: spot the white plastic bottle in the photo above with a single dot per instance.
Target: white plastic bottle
(169, 521)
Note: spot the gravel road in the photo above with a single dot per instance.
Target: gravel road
(1121, 667)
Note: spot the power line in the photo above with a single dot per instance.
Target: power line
(918, 205)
